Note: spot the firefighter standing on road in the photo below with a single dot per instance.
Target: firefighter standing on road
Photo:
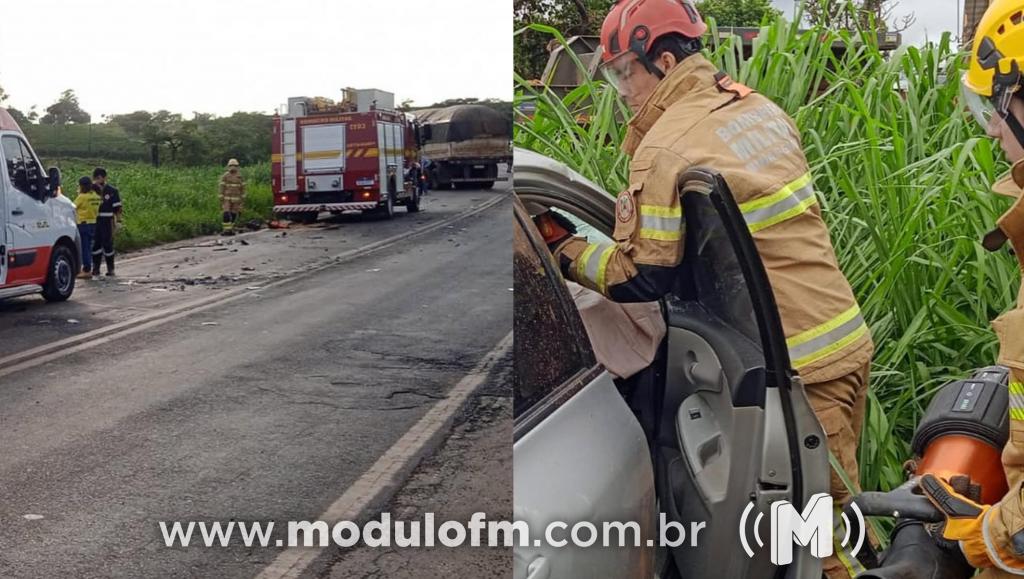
(107, 221)
(232, 194)
(992, 537)
(689, 114)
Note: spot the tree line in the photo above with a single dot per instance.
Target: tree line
(164, 137)
(161, 136)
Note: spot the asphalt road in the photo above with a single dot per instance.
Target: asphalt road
(263, 407)
(464, 477)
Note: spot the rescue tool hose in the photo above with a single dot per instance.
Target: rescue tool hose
(914, 554)
(901, 503)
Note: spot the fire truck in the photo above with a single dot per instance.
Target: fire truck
(40, 250)
(351, 155)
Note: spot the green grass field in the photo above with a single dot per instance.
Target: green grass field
(169, 203)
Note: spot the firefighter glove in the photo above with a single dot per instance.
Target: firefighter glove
(555, 228)
(964, 522)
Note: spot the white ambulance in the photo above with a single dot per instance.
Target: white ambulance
(40, 250)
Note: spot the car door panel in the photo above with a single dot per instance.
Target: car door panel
(734, 438)
(579, 454)
(585, 462)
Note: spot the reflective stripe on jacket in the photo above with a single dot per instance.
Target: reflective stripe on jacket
(690, 121)
(232, 187)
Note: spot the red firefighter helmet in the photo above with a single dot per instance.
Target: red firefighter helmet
(634, 25)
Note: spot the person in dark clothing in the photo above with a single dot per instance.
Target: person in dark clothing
(424, 183)
(109, 216)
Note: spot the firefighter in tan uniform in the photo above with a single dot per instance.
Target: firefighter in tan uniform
(992, 537)
(232, 194)
(689, 114)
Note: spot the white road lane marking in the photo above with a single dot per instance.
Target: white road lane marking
(384, 475)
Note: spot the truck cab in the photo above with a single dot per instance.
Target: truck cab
(40, 249)
(463, 145)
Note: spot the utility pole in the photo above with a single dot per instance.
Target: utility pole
(960, 21)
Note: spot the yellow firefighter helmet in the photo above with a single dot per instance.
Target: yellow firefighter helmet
(233, 163)
(997, 57)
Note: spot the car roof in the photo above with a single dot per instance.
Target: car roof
(7, 122)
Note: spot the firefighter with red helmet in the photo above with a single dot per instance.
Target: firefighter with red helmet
(688, 114)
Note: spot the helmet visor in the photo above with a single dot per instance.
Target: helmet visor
(620, 71)
(980, 107)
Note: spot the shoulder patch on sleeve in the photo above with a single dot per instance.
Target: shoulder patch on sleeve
(625, 207)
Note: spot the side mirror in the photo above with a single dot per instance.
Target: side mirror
(55, 180)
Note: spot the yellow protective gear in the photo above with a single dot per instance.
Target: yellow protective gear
(965, 518)
(998, 44)
(997, 57)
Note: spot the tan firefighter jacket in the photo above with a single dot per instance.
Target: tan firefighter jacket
(1002, 532)
(698, 117)
(232, 187)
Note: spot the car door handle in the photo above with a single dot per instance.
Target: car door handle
(539, 568)
(17, 212)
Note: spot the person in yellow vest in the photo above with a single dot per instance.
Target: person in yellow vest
(689, 114)
(87, 206)
(232, 196)
(991, 537)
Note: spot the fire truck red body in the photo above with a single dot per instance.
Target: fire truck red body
(353, 155)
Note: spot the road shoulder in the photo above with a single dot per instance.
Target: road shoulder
(471, 472)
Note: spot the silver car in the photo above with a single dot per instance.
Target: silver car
(717, 422)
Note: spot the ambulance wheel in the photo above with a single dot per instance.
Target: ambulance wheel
(413, 204)
(60, 279)
(487, 185)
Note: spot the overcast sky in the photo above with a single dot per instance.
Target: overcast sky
(933, 17)
(221, 56)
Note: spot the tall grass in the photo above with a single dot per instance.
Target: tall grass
(903, 176)
(170, 203)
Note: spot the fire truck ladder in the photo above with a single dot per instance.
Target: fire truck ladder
(289, 169)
